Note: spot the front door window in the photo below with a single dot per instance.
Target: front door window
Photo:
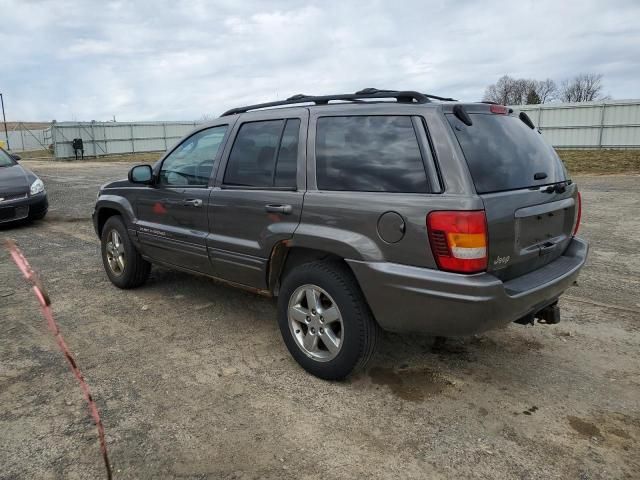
(191, 163)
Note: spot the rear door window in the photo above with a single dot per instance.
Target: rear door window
(505, 154)
(264, 155)
(369, 154)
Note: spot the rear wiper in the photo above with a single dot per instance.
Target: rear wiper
(526, 120)
(462, 115)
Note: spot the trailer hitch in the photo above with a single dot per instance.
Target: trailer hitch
(548, 315)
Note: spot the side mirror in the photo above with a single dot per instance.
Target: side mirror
(141, 174)
(15, 156)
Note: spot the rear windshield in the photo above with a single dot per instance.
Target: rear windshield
(505, 154)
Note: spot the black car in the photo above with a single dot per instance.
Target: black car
(22, 193)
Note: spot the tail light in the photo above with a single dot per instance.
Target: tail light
(578, 214)
(458, 240)
(499, 109)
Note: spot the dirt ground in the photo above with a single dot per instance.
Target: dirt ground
(193, 380)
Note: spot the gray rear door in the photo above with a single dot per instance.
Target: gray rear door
(530, 204)
(259, 193)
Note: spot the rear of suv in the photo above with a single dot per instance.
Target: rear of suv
(379, 209)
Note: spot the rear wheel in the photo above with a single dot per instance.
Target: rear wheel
(325, 321)
(125, 267)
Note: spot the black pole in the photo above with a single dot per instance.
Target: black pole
(4, 119)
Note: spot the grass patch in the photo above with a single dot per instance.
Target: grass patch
(605, 161)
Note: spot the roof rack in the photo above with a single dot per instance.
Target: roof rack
(407, 96)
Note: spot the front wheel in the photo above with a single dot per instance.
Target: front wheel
(125, 267)
(325, 321)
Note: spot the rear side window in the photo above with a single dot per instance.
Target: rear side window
(264, 154)
(504, 154)
(369, 154)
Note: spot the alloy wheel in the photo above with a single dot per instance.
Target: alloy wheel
(115, 253)
(315, 322)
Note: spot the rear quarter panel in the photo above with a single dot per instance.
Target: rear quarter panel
(346, 223)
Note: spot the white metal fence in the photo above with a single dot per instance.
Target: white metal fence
(114, 138)
(23, 139)
(609, 124)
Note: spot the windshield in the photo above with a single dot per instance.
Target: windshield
(5, 159)
(505, 154)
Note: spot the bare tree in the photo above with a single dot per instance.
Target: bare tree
(506, 91)
(547, 90)
(520, 91)
(584, 87)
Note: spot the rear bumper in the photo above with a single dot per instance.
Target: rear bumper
(21, 208)
(422, 300)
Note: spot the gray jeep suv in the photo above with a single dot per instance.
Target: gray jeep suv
(379, 209)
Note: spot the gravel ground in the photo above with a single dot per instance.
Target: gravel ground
(193, 380)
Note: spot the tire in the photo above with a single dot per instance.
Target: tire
(124, 266)
(357, 332)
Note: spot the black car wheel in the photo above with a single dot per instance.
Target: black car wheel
(125, 267)
(325, 321)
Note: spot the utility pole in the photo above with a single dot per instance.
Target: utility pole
(4, 119)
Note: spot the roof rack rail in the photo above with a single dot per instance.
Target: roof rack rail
(428, 95)
(367, 93)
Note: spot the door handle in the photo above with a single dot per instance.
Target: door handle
(192, 202)
(284, 209)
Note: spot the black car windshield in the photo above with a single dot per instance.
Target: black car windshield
(5, 159)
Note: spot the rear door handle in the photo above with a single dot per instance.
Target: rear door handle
(192, 202)
(284, 209)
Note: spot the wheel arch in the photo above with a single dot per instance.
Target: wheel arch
(107, 208)
(284, 258)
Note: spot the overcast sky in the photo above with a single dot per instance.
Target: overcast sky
(175, 60)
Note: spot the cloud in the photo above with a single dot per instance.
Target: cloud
(171, 60)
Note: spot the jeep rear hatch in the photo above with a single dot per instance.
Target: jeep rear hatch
(531, 206)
